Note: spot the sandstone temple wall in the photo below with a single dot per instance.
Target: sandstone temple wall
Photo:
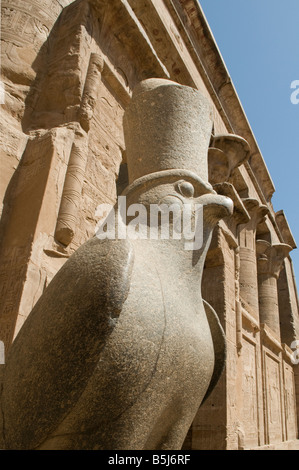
(68, 69)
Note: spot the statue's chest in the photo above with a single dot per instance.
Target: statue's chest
(161, 349)
(163, 324)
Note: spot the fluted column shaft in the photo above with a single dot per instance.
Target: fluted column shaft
(269, 262)
(248, 269)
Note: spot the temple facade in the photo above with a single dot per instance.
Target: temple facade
(68, 71)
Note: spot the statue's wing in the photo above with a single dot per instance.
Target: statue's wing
(58, 347)
(219, 344)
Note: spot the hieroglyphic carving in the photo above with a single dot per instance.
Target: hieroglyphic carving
(108, 115)
(273, 397)
(28, 22)
(237, 301)
(289, 402)
(71, 196)
(56, 97)
(90, 92)
(34, 195)
(250, 411)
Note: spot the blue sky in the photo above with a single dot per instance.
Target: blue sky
(259, 42)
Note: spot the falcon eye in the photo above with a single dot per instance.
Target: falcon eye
(186, 189)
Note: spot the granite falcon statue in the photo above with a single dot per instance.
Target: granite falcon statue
(121, 349)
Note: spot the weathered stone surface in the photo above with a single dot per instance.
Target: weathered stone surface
(248, 268)
(226, 153)
(269, 261)
(95, 356)
(69, 68)
(172, 132)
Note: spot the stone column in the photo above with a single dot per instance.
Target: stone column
(269, 263)
(247, 254)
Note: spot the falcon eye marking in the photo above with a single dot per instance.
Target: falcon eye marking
(186, 188)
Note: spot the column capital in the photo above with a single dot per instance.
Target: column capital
(256, 213)
(270, 257)
(227, 152)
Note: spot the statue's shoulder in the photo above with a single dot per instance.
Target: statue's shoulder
(97, 255)
(105, 267)
(58, 347)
